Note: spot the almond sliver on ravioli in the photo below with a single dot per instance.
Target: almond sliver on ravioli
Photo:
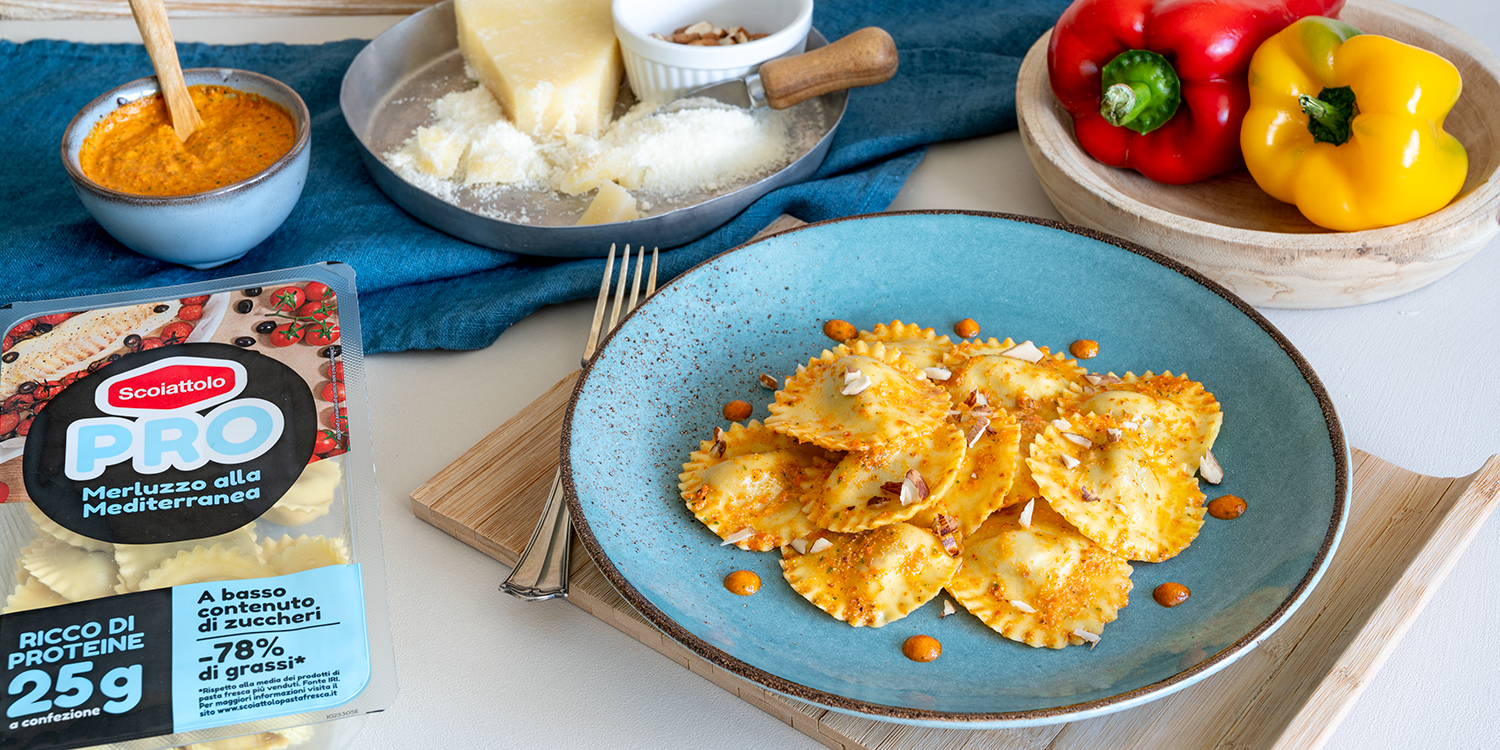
(988, 469)
(858, 397)
(871, 578)
(1172, 409)
(1040, 585)
(1128, 495)
(864, 490)
(753, 478)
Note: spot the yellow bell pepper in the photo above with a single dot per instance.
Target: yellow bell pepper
(1349, 126)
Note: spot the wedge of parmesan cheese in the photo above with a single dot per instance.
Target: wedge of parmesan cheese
(612, 203)
(553, 64)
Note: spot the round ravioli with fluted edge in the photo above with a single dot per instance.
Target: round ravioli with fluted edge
(1174, 409)
(1028, 424)
(920, 347)
(204, 565)
(871, 578)
(858, 397)
(288, 555)
(137, 560)
(751, 477)
(31, 593)
(48, 526)
(991, 457)
(869, 488)
(1040, 584)
(74, 572)
(1117, 487)
(1015, 376)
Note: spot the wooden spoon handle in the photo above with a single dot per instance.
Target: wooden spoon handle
(864, 58)
(151, 19)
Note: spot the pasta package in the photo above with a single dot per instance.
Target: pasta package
(187, 501)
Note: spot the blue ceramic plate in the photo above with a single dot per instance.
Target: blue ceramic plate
(657, 386)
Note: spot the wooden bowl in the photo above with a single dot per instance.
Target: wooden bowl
(1262, 249)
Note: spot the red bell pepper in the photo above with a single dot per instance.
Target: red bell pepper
(1159, 86)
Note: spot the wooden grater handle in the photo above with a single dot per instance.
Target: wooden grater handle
(863, 58)
(151, 19)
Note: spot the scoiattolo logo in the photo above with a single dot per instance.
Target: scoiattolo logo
(160, 420)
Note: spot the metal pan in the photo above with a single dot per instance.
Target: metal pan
(385, 96)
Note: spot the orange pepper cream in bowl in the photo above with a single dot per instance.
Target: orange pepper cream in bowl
(204, 202)
(135, 150)
(191, 520)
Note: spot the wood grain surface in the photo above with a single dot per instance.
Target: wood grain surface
(1264, 250)
(1405, 532)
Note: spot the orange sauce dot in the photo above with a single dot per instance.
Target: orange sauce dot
(922, 648)
(1085, 348)
(840, 330)
(967, 328)
(1226, 507)
(742, 582)
(737, 410)
(1171, 594)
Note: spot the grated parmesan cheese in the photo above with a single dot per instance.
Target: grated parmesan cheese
(469, 142)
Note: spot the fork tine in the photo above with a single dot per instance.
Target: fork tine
(651, 283)
(614, 316)
(593, 342)
(635, 287)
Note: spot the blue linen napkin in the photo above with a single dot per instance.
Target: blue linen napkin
(420, 288)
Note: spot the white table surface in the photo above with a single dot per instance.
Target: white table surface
(1414, 379)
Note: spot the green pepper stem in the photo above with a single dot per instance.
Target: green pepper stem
(1330, 114)
(1317, 110)
(1139, 91)
(1123, 102)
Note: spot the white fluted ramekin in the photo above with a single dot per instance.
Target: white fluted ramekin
(661, 71)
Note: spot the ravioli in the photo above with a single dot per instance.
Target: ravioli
(872, 578)
(32, 594)
(865, 489)
(1029, 423)
(751, 483)
(1118, 489)
(310, 497)
(1182, 417)
(1002, 471)
(74, 572)
(56, 530)
(1041, 585)
(991, 460)
(920, 347)
(858, 397)
(136, 560)
(1007, 377)
(1003, 375)
(203, 565)
(287, 555)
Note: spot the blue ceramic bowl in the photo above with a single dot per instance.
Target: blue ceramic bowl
(657, 386)
(201, 230)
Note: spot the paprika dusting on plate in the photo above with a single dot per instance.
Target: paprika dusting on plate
(134, 149)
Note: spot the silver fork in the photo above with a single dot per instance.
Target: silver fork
(541, 572)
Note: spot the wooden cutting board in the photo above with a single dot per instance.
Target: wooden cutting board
(1404, 533)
